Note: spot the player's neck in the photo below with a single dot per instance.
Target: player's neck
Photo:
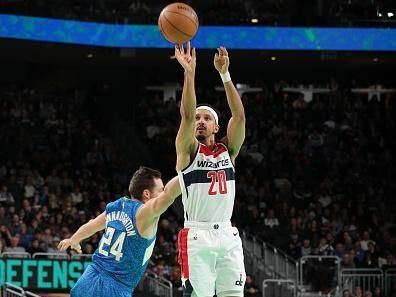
(210, 143)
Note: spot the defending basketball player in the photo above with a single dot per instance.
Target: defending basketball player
(126, 247)
(210, 249)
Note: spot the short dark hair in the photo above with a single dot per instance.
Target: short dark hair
(142, 179)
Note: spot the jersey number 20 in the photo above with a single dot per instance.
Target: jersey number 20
(219, 181)
(116, 247)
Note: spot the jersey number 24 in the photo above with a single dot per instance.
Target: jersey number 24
(116, 247)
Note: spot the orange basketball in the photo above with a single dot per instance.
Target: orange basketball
(178, 22)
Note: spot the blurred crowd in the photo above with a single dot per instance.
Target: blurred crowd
(226, 12)
(313, 178)
(56, 170)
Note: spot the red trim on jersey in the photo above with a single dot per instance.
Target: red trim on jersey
(182, 258)
(207, 152)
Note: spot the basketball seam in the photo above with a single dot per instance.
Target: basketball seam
(176, 27)
(162, 30)
(196, 25)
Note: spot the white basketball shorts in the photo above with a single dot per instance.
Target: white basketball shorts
(211, 259)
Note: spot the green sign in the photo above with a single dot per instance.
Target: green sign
(42, 274)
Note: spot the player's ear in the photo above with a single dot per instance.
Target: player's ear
(216, 129)
(146, 195)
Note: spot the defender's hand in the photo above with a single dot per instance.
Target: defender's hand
(66, 243)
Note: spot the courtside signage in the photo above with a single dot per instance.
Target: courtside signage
(41, 274)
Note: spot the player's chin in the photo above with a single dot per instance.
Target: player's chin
(200, 137)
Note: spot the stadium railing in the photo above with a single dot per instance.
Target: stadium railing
(284, 265)
(154, 284)
(273, 267)
(321, 269)
(390, 281)
(21, 255)
(333, 293)
(51, 256)
(82, 257)
(30, 294)
(366, 279)
(266, 261)
(10, 290)
(279, 288)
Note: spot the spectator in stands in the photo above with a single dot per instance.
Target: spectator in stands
(47, 235)
(52, 246)
(312, 232)
(347, 262)
(175, 278)
(4, 220)
(138, 7)
(25, 236)
(15, 227)
(35, 247)
(44, 196)
(271, 221)
(306, 248)
(53, 179)
(339, 250)
(325, 248)
(370, 261)
(251, 289)
(6, 196)
(37, 179)
(2, 245)
(5, 234)
(161, 269)
(348, 242)
(377, 292)
(294, 249)
(29, 188)
(15, 246)
(360, 254)
(53, 205)
(366, 240)
(76, 195)
(358, 292)
(390, 259)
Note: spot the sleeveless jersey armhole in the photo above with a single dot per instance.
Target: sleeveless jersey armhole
(192, 159)
(137, 229)
(222, 143)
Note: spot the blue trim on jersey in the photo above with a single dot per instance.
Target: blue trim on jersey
(201, 176)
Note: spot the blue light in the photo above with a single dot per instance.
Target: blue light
(208, 37)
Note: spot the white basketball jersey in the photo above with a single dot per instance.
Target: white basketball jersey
(208, 185)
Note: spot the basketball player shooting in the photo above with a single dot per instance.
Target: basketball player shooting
(210, 249)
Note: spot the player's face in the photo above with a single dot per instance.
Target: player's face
(205, 125)
(158, 188)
